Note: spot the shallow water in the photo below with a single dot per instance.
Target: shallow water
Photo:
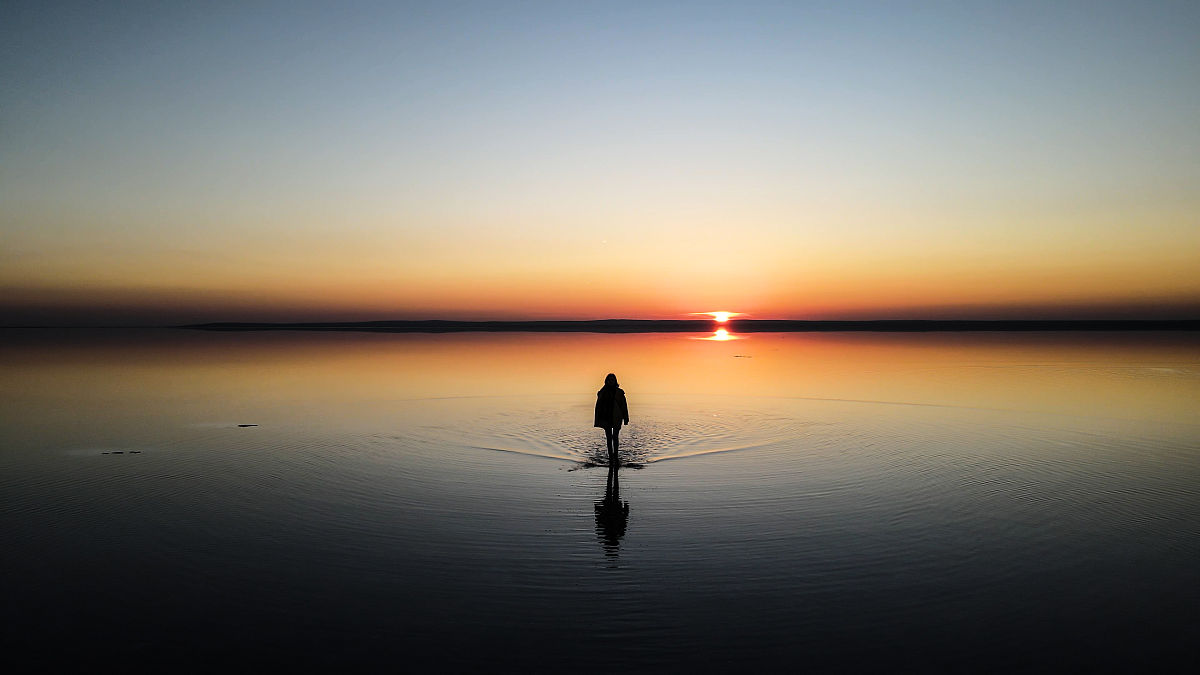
(841, 501)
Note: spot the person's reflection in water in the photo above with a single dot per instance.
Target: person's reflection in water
(611, 515)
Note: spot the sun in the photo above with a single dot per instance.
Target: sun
(719, 317)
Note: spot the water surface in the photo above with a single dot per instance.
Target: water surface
(848, 501)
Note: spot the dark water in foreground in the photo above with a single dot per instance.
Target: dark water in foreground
(978, 502)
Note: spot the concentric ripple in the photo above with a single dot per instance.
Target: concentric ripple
(661, 428)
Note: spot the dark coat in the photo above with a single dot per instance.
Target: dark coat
(611, 408)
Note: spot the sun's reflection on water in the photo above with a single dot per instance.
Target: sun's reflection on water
(720, 335)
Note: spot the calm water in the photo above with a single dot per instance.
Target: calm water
(843, 501)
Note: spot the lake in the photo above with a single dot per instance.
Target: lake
(790, 501)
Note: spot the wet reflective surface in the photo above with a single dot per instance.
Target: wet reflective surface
(842, 501)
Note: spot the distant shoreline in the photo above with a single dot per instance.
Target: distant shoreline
(708, 325)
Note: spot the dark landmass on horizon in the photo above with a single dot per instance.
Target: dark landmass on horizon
(708, 325)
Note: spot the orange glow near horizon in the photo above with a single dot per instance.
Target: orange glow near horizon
(632, 296)
(356, 278)
(350, 374)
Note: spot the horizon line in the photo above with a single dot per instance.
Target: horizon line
(708, 325)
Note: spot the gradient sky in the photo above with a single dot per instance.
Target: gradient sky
(175, 162)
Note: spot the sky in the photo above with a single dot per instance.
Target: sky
(166, 163)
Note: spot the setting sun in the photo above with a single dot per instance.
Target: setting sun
(719, 317)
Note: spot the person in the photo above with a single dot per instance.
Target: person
(611, 412)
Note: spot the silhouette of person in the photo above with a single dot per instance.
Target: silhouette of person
(611, 412)
(612, 515)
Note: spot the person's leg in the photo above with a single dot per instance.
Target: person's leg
(616, 441)
(608, 440)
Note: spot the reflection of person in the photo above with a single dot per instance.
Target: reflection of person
(611, 412)
(612, 514)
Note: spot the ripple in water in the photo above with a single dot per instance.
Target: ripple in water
(661, 429)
